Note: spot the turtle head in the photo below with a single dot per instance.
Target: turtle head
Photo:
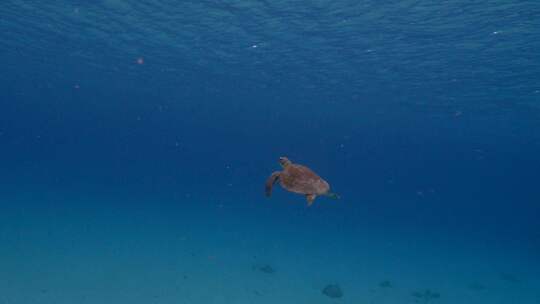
(284, 162)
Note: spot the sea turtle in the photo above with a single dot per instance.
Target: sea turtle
(299, 179)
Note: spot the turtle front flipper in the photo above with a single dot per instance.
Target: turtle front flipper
(270, 182)
(310, 198)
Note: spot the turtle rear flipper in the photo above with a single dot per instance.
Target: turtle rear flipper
(310, 198)
(270, 182)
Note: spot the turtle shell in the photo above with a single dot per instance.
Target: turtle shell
(300, 179)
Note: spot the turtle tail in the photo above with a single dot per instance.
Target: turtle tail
(332, 195)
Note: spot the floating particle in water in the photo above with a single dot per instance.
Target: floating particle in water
(140, 60)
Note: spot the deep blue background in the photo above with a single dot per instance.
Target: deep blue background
(419, 114)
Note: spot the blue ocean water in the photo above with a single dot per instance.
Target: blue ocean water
(136, 138)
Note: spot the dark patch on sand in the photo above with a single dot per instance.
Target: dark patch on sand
(425, 296)
(509, 277)
(266, 268)
(332, 291)
(385, 284)
(477, 286)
